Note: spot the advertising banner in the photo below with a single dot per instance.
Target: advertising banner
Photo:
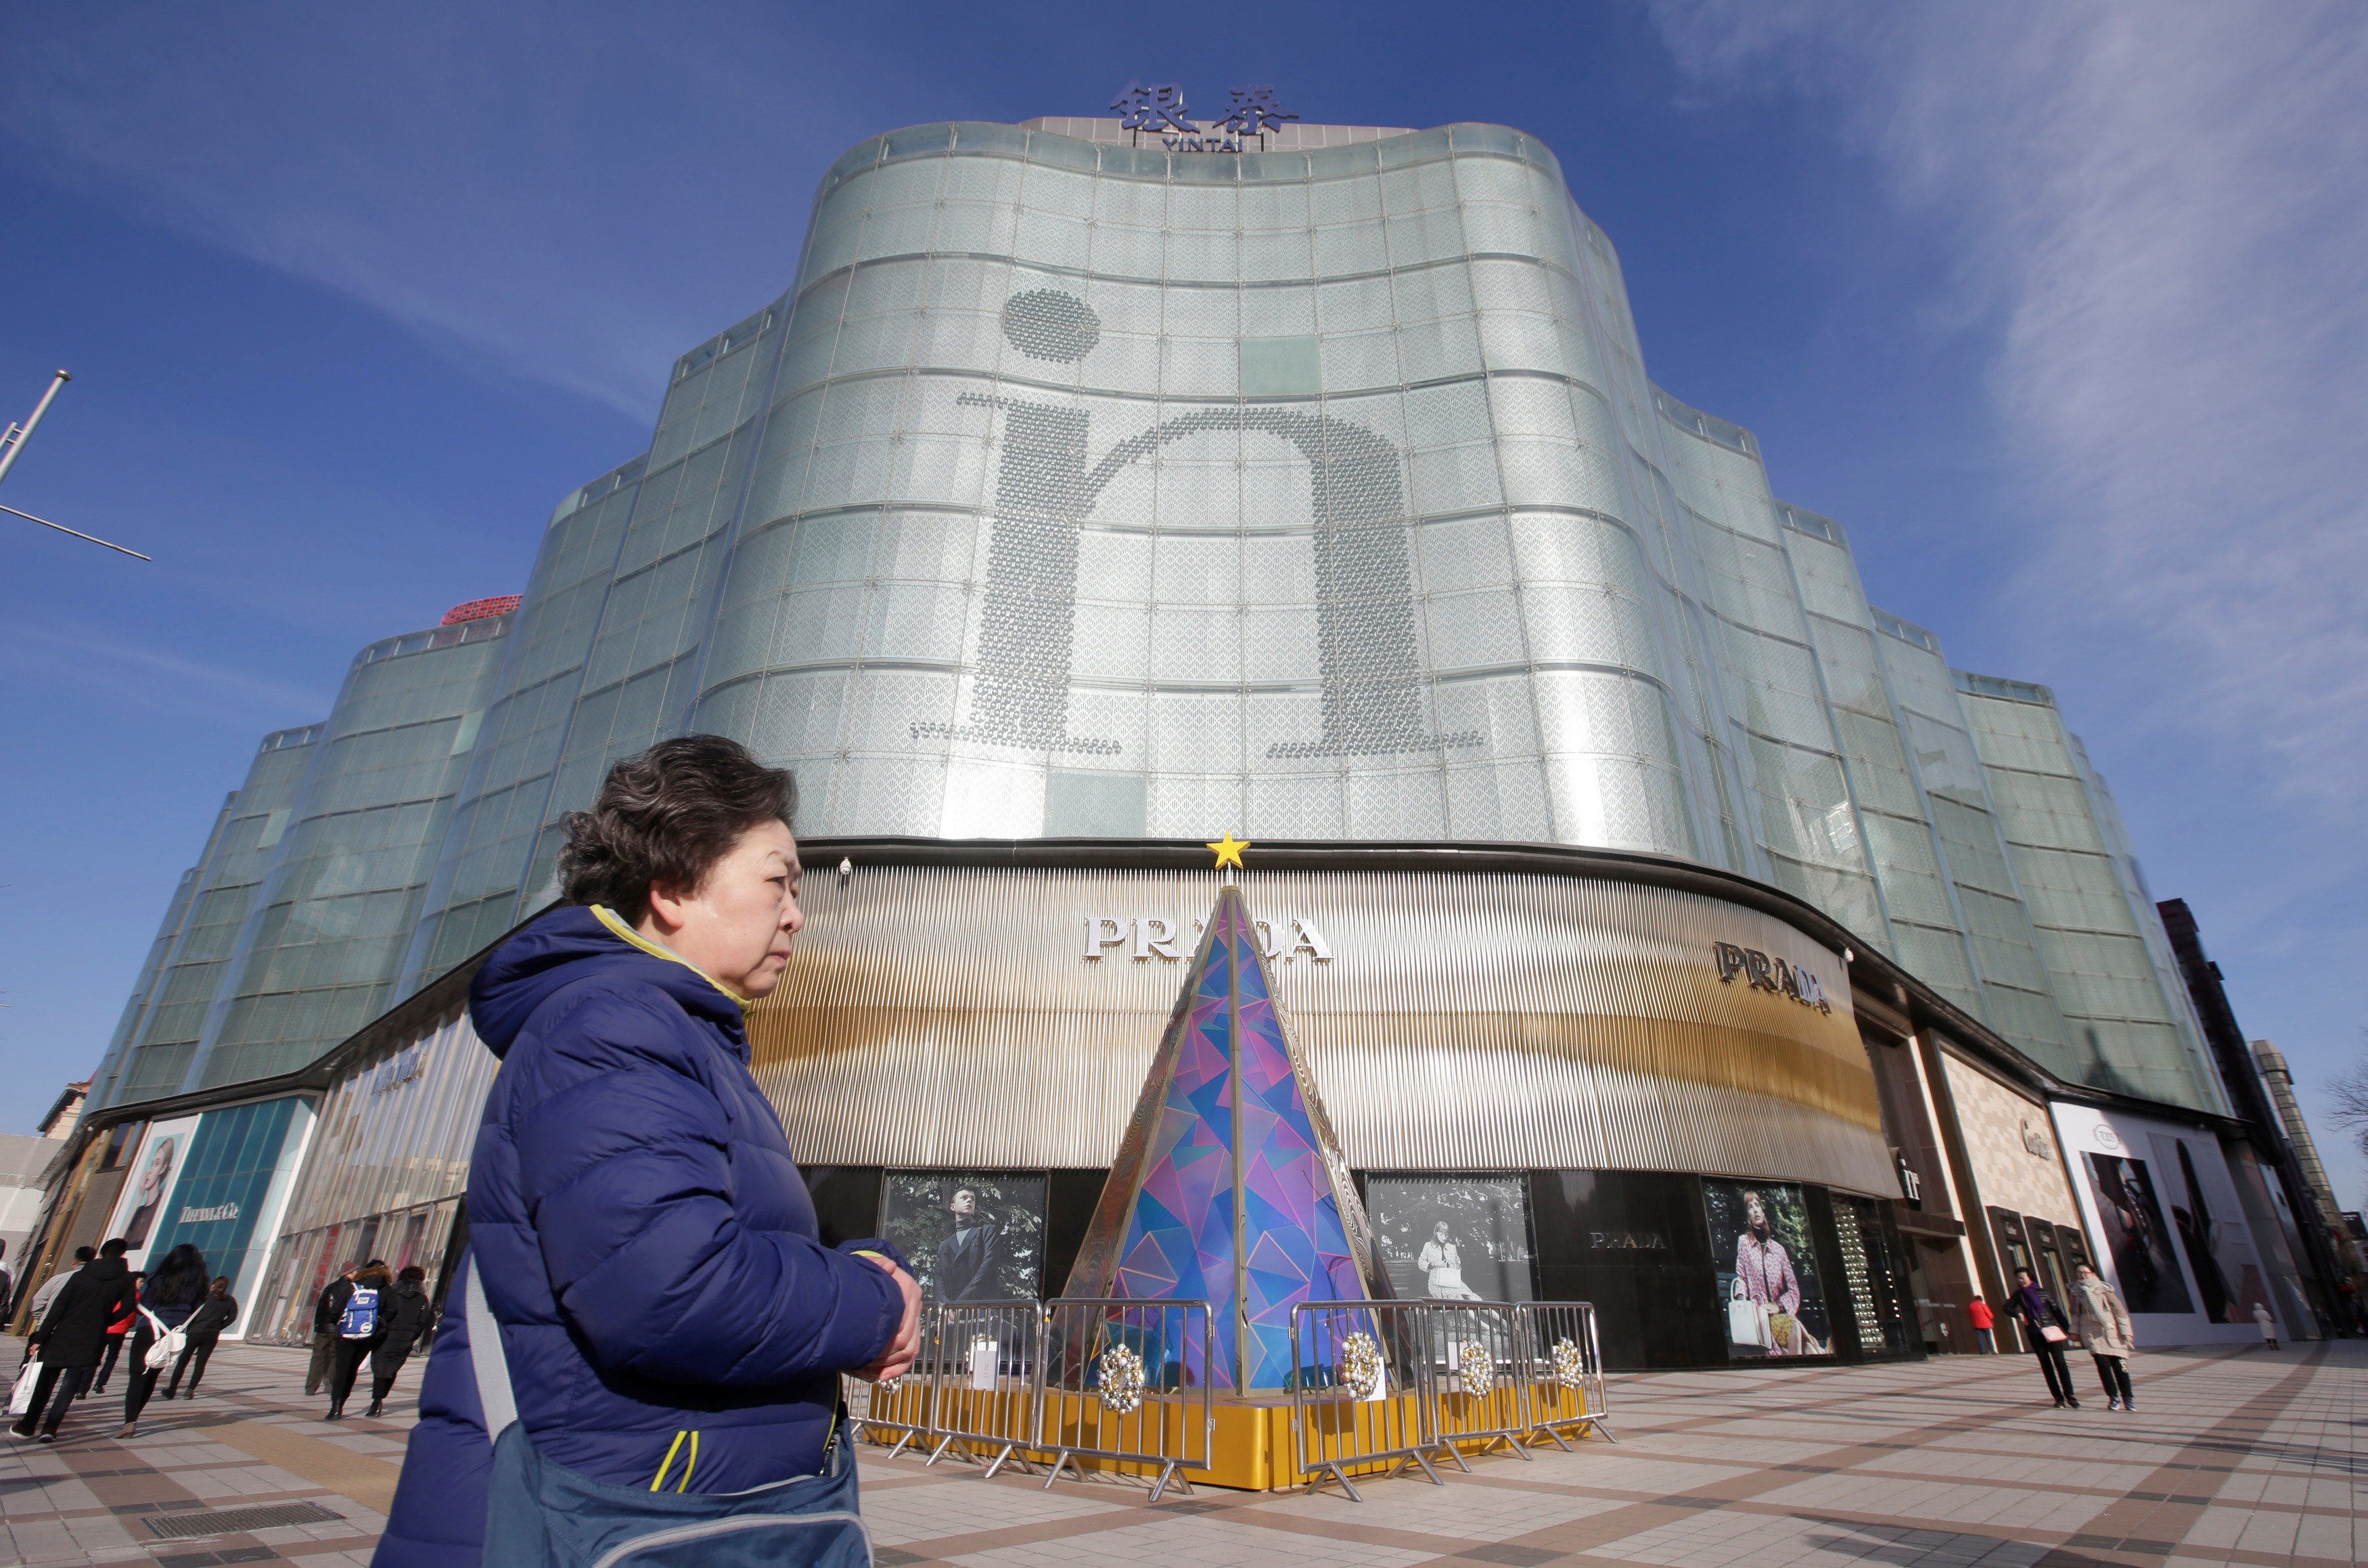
(231, 1173)
(970, 1235)
(142, 1210)
(1768, 1283)
(2205, 1216)
(1452, 1238)
(2135, 1237)
(2168, 1230)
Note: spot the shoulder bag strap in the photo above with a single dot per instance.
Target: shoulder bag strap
(488, 1361)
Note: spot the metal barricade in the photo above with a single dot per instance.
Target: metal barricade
(981, 1362)
(1127, 1382)
(1363, 1390)
(902, 1407)
(1477, 1353)
(1564, 1370)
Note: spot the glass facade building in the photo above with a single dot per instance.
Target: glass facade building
(1078, 487)
(289, 932)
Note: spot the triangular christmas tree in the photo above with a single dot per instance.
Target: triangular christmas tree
(1229, 1186)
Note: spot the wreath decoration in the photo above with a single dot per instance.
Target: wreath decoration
(1476, 1366)
(1569, 1367)
(1121, 1381)
(1360, 1365)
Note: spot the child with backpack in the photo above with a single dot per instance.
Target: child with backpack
(361, 1325)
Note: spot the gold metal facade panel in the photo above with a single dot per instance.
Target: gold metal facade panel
(941, 1017)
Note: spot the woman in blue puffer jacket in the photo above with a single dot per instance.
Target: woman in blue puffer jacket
(639, 1229)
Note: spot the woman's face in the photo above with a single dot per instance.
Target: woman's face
(738, 923)
(1755, 1216)
(160, 1165)
(1439, 1230)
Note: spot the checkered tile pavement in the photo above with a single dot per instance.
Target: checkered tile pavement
(2236, 1457)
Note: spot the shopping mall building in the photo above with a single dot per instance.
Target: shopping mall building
(1092, 493)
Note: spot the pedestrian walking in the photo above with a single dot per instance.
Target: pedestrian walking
(2103, 1325)
(646, 1307)
(362, 1328)
(199, 1335)
(73, 1336)
(327, 1308)
(406, 1313)
(2267, 1323)
(2050, 1331)
(57, 1282)
(115, 1333)
(1985, 1324)
(169, 1298)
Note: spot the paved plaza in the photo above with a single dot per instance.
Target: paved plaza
(2232, 1457)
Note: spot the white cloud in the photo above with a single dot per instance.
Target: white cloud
(573, 196)
(126, 671)
(2167, 206)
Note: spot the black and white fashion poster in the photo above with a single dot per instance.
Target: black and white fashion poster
(1452, 1238)
(970, 1235)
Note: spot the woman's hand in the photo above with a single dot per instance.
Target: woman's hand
(906, 1348)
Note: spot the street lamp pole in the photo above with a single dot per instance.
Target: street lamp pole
(13, 442)
(12, 445)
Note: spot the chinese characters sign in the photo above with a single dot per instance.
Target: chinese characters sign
(1160, 108)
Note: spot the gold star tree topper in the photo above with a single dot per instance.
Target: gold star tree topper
(1229, 850)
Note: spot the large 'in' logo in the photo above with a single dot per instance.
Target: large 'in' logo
(1048, 486)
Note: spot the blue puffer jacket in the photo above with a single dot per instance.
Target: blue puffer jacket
(646, 1244)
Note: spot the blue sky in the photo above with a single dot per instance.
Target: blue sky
(2057, 308)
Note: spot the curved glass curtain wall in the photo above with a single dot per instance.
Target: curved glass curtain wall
(2097, 930)
(289, 933)
(1077, 488)
(327, 938)
(153, 1051)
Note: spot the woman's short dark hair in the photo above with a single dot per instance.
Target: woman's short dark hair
(666, 817)
(414, 1273)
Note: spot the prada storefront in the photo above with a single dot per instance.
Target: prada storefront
(1555, 1073)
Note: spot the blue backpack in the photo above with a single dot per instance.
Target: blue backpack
(360, 1319)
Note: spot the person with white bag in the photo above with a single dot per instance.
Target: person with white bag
(173, 1292)
(72, 1337)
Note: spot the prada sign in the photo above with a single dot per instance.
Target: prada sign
(1149, 937)
(1762, 972)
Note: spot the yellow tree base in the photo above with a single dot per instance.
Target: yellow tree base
(1251, 1448)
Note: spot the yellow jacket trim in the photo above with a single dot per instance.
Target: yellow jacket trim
(665, 1465)
(660, 951)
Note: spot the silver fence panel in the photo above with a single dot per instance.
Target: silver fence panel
(902, 1406)
(1127, 1382)
(1363, 1390)
(1563, 1371)
(1477, 1351)
(983, 1363)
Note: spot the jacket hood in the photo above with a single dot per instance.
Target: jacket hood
(573, 944)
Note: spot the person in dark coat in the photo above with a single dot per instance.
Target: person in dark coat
(2039, 1313)
(353, 1349)
(638, 1226)
(199, 1335)
(406, 1311)
(327, 1307)
(115, 1331)
(969, 1261)
(72, 1337)
(170, 1296)
(49, 1287)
